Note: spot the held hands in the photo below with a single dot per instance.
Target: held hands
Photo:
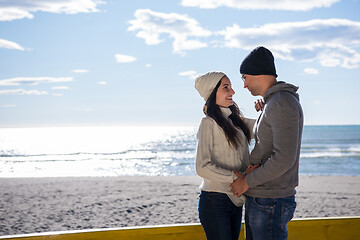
(259, 105)
(239, 186)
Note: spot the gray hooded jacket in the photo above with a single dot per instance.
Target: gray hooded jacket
(278, 134)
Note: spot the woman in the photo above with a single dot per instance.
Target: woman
(223, 147)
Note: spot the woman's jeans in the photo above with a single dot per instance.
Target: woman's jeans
(267, 218)
(219, 216)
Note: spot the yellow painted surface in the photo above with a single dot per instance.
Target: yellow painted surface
(304, 229)
(325, 228)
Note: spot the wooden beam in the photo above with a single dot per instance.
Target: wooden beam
(309, 228)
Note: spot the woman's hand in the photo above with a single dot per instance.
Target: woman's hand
(239, 186)
(259, 105)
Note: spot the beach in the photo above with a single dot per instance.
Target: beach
(29, 205)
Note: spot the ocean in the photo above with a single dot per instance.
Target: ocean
(151, 151)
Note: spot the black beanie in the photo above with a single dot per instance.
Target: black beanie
(259, 62)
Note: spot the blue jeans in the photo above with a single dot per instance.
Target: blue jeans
(219, 216)
(267, 218)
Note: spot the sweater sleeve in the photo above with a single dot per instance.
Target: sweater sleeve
(204, 167)
(284, 120)
(250, 123)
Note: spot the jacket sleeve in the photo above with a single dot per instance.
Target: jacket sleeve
(204, 167)
(284, 120)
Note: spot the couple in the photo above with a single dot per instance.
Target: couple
(269, 174)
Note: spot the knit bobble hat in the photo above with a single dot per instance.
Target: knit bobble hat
(259, 61)
(207, 82)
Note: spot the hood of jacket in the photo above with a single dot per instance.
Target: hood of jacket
(281, 86)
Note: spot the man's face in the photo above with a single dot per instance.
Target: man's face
(251, 83)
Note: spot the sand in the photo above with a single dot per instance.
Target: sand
(29, 205)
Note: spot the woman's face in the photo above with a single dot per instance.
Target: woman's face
(224, 93)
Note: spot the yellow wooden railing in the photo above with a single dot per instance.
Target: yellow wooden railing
(341, 228)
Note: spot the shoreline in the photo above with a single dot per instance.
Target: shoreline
(29, 205)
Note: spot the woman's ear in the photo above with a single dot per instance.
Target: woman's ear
(205, 109)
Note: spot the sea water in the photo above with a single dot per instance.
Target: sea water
(151, 150)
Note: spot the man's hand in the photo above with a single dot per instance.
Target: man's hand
(250, 169)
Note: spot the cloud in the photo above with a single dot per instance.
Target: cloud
(22, 92)
(8, 106)
(102, 83)
(292, 5)
(124, 58)
(191, 74)
(10, 45)
(80, 70)
(16, 9)
(86, 109)
(148, 65)
(60, 88)
(184, 30)
(312, 71)
(332, 42)
(33, 80)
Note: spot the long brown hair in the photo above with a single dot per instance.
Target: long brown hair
(213, 110)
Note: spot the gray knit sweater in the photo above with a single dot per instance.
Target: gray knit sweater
(278, 138)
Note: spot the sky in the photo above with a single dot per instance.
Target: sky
(105, 63)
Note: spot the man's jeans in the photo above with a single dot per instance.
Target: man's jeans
(267, 218)
(219, 216)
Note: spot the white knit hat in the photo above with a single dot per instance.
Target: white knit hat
(207, 82)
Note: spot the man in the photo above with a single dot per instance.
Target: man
(270, 188)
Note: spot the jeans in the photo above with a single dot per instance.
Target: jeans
(219, 216)
(267, 218)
